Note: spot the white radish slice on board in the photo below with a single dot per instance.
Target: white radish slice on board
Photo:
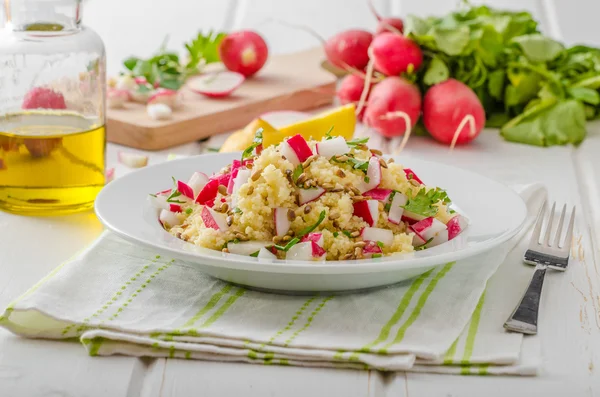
(216, 85)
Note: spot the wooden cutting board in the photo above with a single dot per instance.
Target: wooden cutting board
(287, 82)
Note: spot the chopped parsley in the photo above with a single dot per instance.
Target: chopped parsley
(173, 196)
(237, 210)
(347, 233)
(302, 233)
(258, 138)
(380, 244)
(254, 254)
(213, 149)
(367, 179)
(376, 256)
(328, 134)
(423, 202)
(153, 195)
(357, 141)
(189, 211)
(297, 172)
(335, 234)
(422, 247)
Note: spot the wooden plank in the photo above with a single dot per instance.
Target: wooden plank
(288, 82)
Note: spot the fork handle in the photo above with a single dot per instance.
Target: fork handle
(524, 318)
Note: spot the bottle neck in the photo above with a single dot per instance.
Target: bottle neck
(42, 15)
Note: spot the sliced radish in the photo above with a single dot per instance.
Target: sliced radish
(316, 237)
(386, 236)
(456, 225)
(411, 217)
(411, 175)
(438, 239)
(160, 202)
(396, 208)
(379, 194)
(168, 218)
(223, 179)
(373, 175)
(247, 247)
(185, 189)
(159, 111)
(109, 174)
(132, 160)
(372, 249)
(305, 252)
(242, 177)
(300, 147)
(286, 151)
(264, 253)
(175, 208)
(332, 147)
(214, 220)
(216, 85)
(368, 210)
(208, 192)
(197, 182)
(165, 96)
(417, 240)
(428, 227)
(308, 195)
(282, 223)
(231, 183)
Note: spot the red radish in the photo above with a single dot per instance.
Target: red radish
(208, 192)
(282, 223)
(428, 227)
(379, 194)
(165, 96)
(287, 152)
(216, 85)
(116, 98)
(160, 202)
(244, 52)
(417, 240)
(169, 219)
(300, 147)
(368, 210)
(386, 24)
(242, 177)
(332, 147)
(223, 179)
(305, 252)
(397, 208)
(231, 184)
(456, 225)
(316, 237)
(185, 190)
(165, 192)
(394, 54)
(246, 247)
(264, 253)
(411, 217)
(371, 249)
(210, 203)
(349, 49)
(350, 90)
(213, 219)
(140, 80)
(175, 208)
(246, 162)
(308, 195)
(197, 182)
(385, 236)
(438, 239)
(448, 108)
(109, 174)
(132, 160)
(43, 98)
(393, 107)
(373, 178)
(410, 174)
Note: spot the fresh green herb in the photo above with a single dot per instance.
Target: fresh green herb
(424, 246)
(347, 233)
(387, 207)
(235, 241)
(237, 210)
(380, 244)
(376, 256)
(357, 141)
(213, 149)
(153, 195)
(189, 211)
(258, 137)
(335, 234)
(367, 179)
(423, 202)
(302, 233)
(359, 164)
(176, 193)
(203, 50)
(254, 254)
(328, 134)
(297, 172)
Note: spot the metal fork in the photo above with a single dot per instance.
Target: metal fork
(543, 255)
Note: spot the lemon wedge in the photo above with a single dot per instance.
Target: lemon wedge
(243, 138)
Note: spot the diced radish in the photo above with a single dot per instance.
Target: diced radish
(264, 253)
(438, 239)
(386, 236)
(197, 182)
(236, 164)
(165, 96)
(164, 192)
(305, 252)
(160, 202)
(214, 220)
(282, 223)
(231, 183)
(132, 160)
(368, 210)
(411, 175)
(373, 175)
(242, 177)
(417, 240)
(216, 85)
(208, 192)
(411, 217)
(287, 152)
(248, 161)
(175, 208)
(456, 225)
(159, 111)
(379, 194)
(332, 147)
(109, 174)
(371, 249)
(300, 147)
(316, 237)
(428, 227)
(223, 179)
(210, 203)
(247, 247)
(396, 208)
(169, 219)
(185, 189)
(308, 195)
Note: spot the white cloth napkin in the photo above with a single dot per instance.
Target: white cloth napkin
(119, 298)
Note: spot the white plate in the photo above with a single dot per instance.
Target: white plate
(495, 213)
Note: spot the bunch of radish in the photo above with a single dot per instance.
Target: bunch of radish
(386, 100)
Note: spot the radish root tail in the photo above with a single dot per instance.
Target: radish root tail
(307, 29)
(367, 86)
(467, 119)
(407, 121)
(391, 28)
(373, 10)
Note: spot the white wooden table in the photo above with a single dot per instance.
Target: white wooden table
(570, 319)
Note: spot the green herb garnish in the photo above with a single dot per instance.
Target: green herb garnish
(376, 256)
(367, 179)
(335, 234)
(173, 195)
(423, 202)
(357, 141)
(302, 233)
(258, 137)
(422, 247)
(328, 134)
(237, 210)
(347, 233)
(359, 164)
(297, 172)
(213, 149)
(254, 254)
(380, 244)
(189, 211)
(153, 195)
